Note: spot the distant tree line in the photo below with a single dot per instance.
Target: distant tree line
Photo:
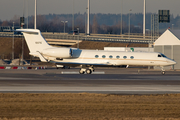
(99, 23)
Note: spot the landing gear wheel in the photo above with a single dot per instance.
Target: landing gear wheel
(81, 71)
(163, 72)
(88, 71)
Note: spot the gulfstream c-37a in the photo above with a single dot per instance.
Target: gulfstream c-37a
(88, 59)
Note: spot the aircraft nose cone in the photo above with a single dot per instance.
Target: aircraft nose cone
(173, 62)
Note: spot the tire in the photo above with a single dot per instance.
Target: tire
(163, 72)
(88, 71)
(81, 72)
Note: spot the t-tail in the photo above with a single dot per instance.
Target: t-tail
(35, 41)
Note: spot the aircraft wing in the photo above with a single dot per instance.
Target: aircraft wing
(79, 63)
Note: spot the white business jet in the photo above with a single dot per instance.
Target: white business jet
(87, 59)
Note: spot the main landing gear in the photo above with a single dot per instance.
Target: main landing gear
(87, 71)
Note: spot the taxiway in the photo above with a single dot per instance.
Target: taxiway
(108, 80)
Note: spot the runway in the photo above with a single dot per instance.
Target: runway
(108, 80)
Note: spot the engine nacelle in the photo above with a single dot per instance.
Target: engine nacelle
(58, 52)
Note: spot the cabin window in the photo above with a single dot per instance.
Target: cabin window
(110, 56)
(96, 56)
(132, 57)
(117, 57)
(103, 56)
(124, 57)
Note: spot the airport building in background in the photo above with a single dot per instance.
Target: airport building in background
(169, 44)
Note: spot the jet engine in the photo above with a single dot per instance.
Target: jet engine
(58, 52)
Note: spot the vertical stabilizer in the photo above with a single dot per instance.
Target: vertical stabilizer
(34, 39)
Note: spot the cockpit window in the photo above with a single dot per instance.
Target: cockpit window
(159, 55)
(163, 55)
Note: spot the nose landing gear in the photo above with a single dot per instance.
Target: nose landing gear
(162, 71)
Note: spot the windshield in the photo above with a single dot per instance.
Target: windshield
(161, 55)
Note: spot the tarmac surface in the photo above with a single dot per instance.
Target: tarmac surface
(106, 80)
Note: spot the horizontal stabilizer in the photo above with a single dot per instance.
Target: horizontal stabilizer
(41, 57)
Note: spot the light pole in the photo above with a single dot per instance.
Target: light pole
(121, 16)
(129, 22)
(88, 18)
(85, 22)
(172, 26)
(78, 37)
(64, 24)
(27, 15)
(13, 44)
(35, 14)
(73, 16)
(144, 19)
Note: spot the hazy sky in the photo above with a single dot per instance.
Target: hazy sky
(10, 8)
